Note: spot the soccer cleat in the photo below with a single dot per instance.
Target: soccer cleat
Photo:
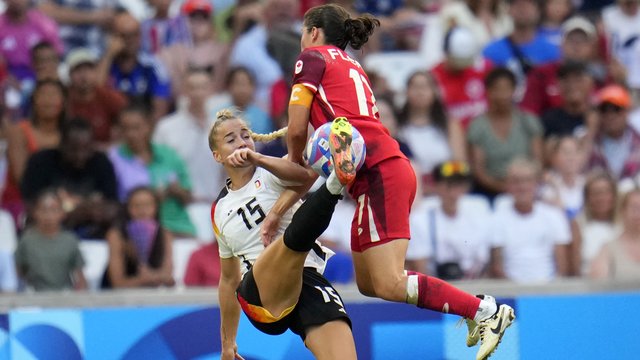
(473, 335)
(340, 139)
(492, 329)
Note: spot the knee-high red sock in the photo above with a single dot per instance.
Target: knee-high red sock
(435, 294)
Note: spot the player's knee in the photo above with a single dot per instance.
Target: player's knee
(389, 288)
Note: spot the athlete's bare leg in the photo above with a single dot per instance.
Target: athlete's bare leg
(331, 341)
(380, 271)
(278, 276)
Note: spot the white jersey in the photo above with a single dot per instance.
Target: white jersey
(237, 214)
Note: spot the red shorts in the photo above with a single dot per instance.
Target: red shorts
(384, 195)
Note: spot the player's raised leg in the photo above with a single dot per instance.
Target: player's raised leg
(278, 270)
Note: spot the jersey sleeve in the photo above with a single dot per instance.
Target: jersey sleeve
(309, 69)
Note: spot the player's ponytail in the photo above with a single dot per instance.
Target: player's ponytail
(358, 30)
(339, 28)
(270, 136)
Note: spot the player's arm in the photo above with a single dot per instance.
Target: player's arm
(299, 110)
(229, 306)
(287, 170)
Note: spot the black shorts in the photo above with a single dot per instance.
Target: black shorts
(319, 303)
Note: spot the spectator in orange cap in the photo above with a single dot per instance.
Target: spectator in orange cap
(616, 145)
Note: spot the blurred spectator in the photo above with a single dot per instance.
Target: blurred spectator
(139, 161)
(203, 267)
(554, 13)
(82, 22)
(140, 76)
(576, 88)
(41, 131)
(48, 257)
(8, 243)
(424, 126)
(524, 47)
(450, 237)
(45, 62)
(140, 249)
(529, 237)
(21, 28)
(8, 276)
(578, 45)
(564, 182)
(250, 49)
(618, 259)
(487, 20)
(204, 51)
(597, 222)
(81, 176)
(90, 100)
(163, 30)
(501, 135)
(616, 147)
(389, 119)
(622, 26)
(461, 76)
(240, 93)
(182, 131)
(337, 237)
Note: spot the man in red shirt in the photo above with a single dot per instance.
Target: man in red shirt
(579, 39)
(461, 76)
(99, 105)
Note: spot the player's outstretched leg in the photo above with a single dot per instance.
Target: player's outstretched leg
(340, 140)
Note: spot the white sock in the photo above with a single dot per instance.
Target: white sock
(412, 289)
(487, 308)
(333, 184)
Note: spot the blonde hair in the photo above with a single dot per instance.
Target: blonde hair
(234, 114)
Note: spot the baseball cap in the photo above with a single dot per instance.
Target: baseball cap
(578, 23)
(455, 171)
(460, 43)
(191, 6)
(614, 94)
(80, 56)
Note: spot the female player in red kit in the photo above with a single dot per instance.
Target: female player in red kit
(328, 84)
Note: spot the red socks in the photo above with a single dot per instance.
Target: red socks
(435, 294)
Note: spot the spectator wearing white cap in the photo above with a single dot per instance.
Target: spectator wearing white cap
(579, 40)
(461, 74)
(87, 99)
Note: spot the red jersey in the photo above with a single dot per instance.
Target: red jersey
(463, 92)
(341, 88)
(543, 91)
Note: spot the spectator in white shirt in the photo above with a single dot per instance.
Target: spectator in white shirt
(529, 237)
(450, 233)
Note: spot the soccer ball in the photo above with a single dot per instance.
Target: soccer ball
(318, 154)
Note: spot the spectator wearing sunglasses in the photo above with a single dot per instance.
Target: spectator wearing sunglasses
(616, 145)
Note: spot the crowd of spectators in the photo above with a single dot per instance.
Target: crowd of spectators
(521, 118)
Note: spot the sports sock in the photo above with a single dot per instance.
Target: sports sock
(431, 293)
(311, 220)
(333, 184)
(487, 308)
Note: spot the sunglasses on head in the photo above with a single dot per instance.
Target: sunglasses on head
(607, 107)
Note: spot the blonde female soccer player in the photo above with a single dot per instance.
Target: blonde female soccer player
(281, 286)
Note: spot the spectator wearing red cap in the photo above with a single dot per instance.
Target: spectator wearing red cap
(203, 52)
(616, 146)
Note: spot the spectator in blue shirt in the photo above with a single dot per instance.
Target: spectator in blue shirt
(138, 75)
(525, 47)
